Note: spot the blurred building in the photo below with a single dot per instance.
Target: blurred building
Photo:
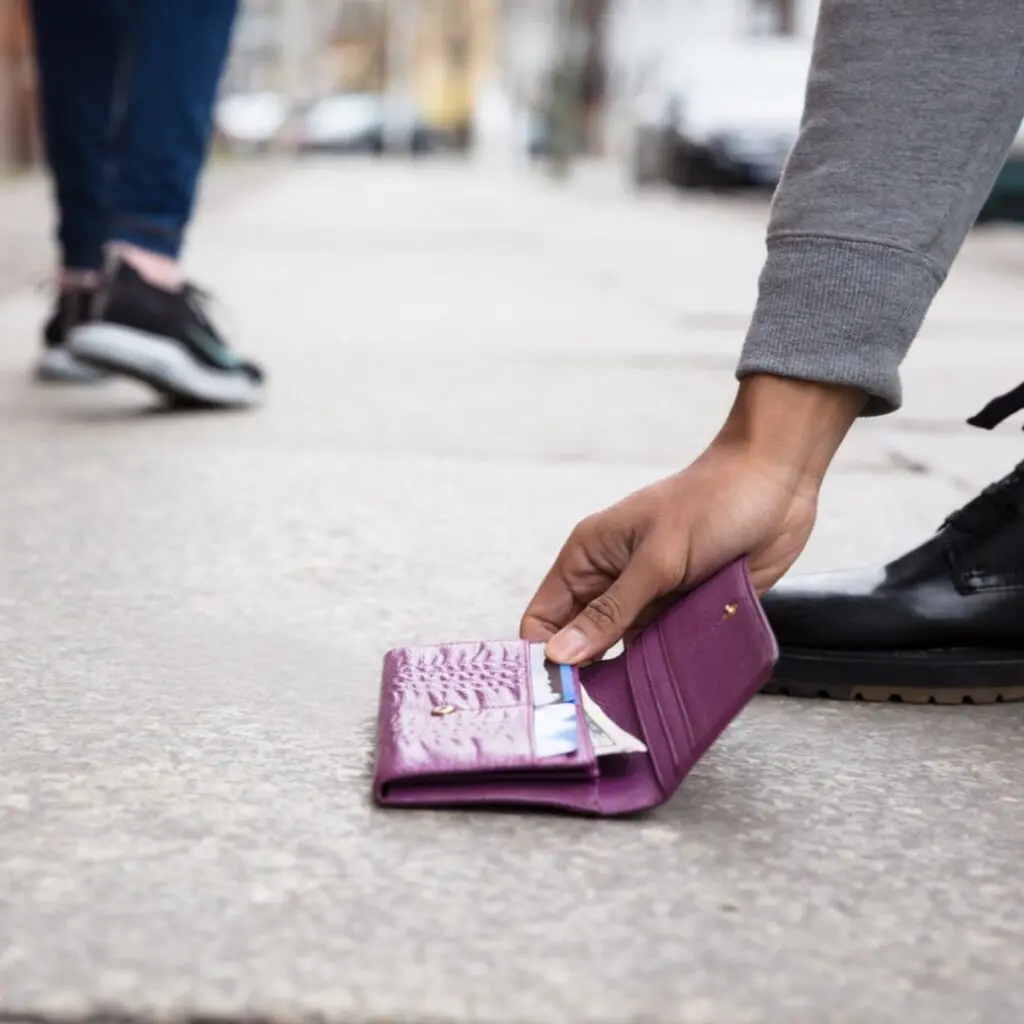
(552, 45)
(305, 48)
(355, 53)
(455, 57)
(19, 143)
(442, 54)
(439, 53)
(529, 48)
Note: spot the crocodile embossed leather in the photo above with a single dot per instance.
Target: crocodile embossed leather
(455, 719)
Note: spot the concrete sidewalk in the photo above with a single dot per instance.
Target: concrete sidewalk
(193, 610)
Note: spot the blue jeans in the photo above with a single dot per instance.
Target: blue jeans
(127, 90)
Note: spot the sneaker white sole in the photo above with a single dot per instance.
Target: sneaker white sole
(58, 366)
(162, 365)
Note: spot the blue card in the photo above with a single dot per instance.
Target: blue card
(568, 684)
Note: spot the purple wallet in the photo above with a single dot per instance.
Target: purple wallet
(457, 722)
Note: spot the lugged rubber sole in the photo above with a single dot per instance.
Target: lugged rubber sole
(967, 676)
(163, 365)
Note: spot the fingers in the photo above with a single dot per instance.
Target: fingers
(602, 623)
(535, 630)
(564, 591)
(550, 608)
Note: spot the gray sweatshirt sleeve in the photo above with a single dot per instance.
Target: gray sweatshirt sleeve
(910, 111)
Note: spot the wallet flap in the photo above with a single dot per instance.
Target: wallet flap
(680, 683)
(696, 667)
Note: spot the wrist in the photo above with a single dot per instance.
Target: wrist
(794, 426)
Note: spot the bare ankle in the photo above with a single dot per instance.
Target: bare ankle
(159, 270)
(77, 278)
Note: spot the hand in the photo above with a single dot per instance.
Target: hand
(750, 494)
(617, 565)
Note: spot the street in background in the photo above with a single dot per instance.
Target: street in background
(724, 114)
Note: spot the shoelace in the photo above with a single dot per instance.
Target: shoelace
(51, 287)
(70, 304)
(198, 299)
(996, 504)
(1003, 499)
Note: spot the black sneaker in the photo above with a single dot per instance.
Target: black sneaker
(56, 364)
(166, 340)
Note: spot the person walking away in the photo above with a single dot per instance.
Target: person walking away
(127, 89)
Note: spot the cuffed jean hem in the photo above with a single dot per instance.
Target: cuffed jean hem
(839, 311)
(82, 255)
(149, 233)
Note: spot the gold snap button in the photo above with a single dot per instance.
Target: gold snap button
(442, 709)
(730, 611)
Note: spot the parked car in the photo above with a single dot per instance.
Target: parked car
(405, 129)
(1006, 200)
(251, 121)
(363, 123)
(725, 114)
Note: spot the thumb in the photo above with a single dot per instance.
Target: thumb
(604, 621)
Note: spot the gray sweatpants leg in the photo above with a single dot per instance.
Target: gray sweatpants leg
(911, 109)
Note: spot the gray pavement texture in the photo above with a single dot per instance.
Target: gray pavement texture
(193, 610)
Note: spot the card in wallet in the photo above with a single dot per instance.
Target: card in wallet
(457, 721)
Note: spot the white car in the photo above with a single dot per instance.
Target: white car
(363, 123)
(346, 122)
(725, 113)
(251, 120)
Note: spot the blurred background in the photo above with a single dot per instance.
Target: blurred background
(689, 93)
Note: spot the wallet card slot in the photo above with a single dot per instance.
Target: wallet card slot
(656, 660)
(654, 724)
(585, 757)
(625, 783)
(662, 707)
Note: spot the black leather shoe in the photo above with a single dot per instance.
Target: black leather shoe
(944, 624)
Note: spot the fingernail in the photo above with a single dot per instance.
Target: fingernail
(568, 645)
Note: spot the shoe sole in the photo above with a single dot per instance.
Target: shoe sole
(910, 677)
(161, 364)
(58, 366)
